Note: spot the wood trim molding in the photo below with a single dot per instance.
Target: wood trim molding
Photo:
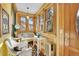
(24, 13)
(41, 8)
(73, 49)
(14, 7)
(0, 20)
(44, 7)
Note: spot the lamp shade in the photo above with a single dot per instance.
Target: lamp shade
(17, 26)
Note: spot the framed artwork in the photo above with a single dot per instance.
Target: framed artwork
(49, 22)
(5, 22)
(49, 26)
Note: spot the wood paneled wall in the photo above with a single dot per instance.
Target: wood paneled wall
(34, 24)
(74, 38)
(8, 8)
(51, 36)
(19, 14)
(43, 11)
(68, 40)
(60, 29)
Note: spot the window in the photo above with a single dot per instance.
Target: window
(41, 23)
(23, 19)
(37, 24)
(31, 24)
(23, 23)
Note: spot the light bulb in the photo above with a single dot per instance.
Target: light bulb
(27, 17)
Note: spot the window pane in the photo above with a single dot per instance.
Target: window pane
(23, 19)
(37, 23)
(41, 23)
(30, 21)
(23, 23)
(31, 24)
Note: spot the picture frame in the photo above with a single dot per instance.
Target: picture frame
(49, 22)
(5, 22)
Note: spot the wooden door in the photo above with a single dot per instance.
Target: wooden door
(71, 46)
(66, 28)
(74, 38)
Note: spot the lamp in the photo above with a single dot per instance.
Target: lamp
(27, 17)
(27, 12)
(17, 26)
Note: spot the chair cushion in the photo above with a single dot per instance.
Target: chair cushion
(11, 43)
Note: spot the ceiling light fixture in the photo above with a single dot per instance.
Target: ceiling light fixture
(27, 13)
